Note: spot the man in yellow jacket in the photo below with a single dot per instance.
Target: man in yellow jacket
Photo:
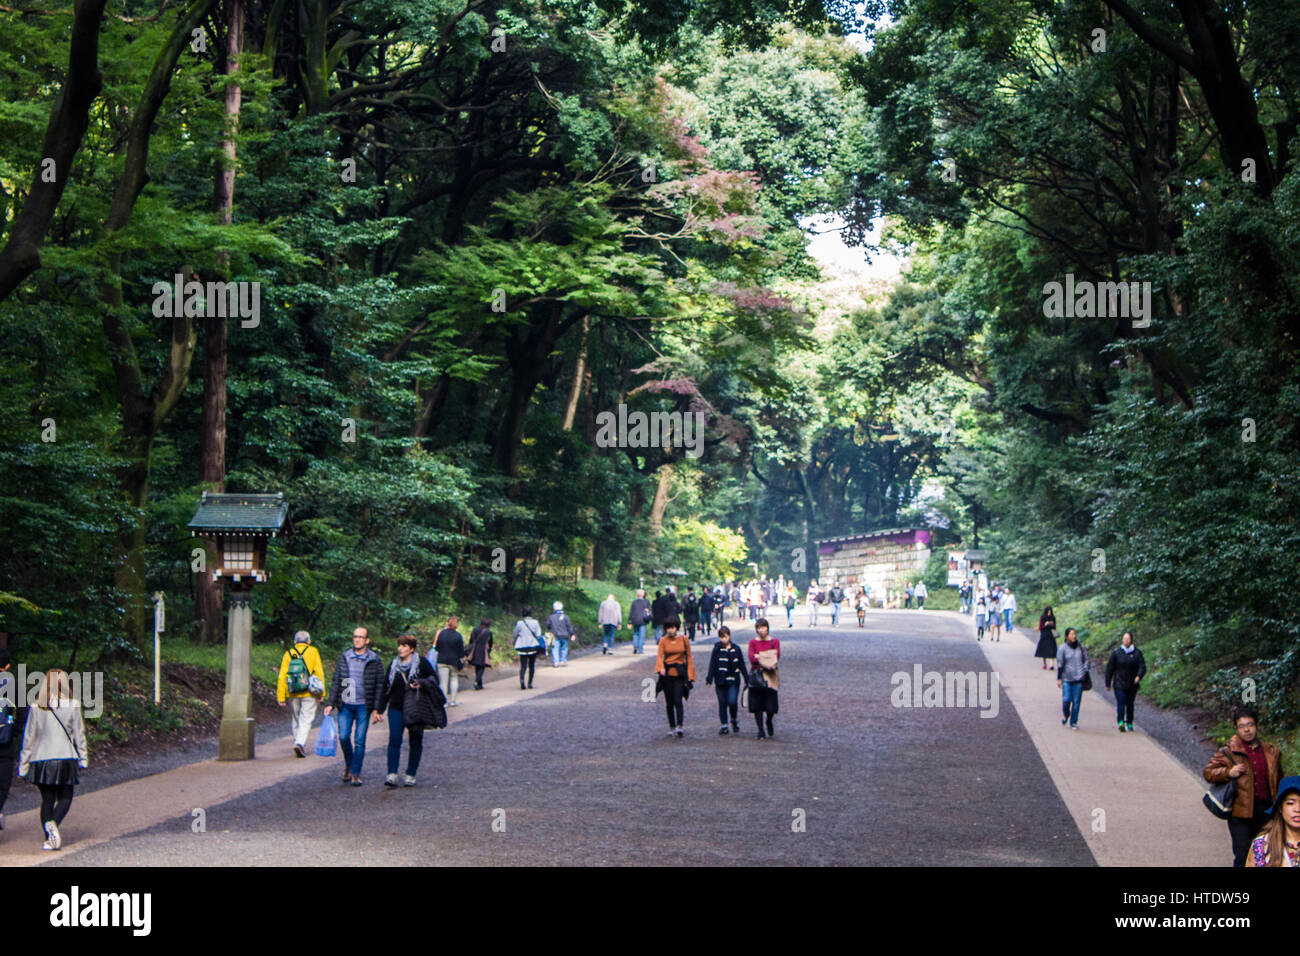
(301, 684)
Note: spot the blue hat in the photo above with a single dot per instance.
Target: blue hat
(1284, 786)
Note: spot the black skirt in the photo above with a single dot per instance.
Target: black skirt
(1046, 645)
(53, 773)
(763, 700)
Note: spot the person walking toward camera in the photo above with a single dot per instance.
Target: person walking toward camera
(764, 657)
(480, 650)
(1047, 638)
(1125, 670)
(406, 674)
(1257, 768)
(448, 654)
(1278, 844)
(727, 674)
(981, 619)
(1071, 674)
(53, 751)
(300, 687)
(355, 691)
(638, 616)
(528, 644)
(676, 669)
(609, 616)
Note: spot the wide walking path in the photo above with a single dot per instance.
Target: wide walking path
(1133, 802)
(108, 814)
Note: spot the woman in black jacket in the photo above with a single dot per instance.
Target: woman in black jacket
(480, 650)
(1047, 639)
(1124, 670)
(727, 672)
(407, 671)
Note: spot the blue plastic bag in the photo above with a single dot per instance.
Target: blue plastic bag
(327, 740)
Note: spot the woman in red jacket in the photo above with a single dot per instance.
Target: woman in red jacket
(764, 653)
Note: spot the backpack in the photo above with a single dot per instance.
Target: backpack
(297, 679)
(821, 597)
(7, 712)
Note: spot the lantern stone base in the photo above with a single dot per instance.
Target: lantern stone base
(237, 739)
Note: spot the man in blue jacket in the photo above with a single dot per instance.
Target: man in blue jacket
(359, 682)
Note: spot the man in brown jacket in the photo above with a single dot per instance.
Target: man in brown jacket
(1257, 767)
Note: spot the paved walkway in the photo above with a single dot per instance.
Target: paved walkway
(1133, 802)
(127, 807)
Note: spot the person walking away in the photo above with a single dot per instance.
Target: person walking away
(405, 675)
(814, 600)
(355, 691)
(995, 618)
(764, 655)
(300, 687)
(862, 608)
(558, 623)
(480, 650)
(1008, 607)
(528, 644)
(691, 613)
(1278, 844)
(1125, 670)
(1257, 768)
(727, 674)
(837, 598)
(676, 668)
(964, 593)
(981, 618)
(791, 599)
(922, 592)
(1071, 668)
(638, 616)
(448, 657)
(1047, 638)
(53, 751)
(707, 604)
(671, 606)
(12, 719)
(908, 591)
(658, 614)
(609, 616)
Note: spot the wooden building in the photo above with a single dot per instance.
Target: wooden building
(884, 560)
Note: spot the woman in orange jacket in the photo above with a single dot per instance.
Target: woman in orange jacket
(676, 670)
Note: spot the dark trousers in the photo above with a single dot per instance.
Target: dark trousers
(1244, 829)
(674, 689)
(690, 629)
(1124, 697)
(526, 664)
(415, 737)
(6, 776)
(478, 675)
(55, 802)
(728, 700)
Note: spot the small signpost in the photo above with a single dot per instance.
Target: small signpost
(241, 525)
(157, 646)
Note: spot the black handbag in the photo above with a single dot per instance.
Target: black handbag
(1221, 796)
(756, 679)
(1087, 680)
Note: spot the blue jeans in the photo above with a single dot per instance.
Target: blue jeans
(1071, 698)
(560, 650)
(609, 635)
(659, 632)
(350, 716)
(1124, 697)
(638, 639)
(728, 698)
(835, 613)
(789, 616)
(416, 735)
(1006, 616)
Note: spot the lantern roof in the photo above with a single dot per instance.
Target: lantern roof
(246, 514)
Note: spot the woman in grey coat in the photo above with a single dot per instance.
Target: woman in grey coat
(54, 749)
(1071, 670)
(528, 644)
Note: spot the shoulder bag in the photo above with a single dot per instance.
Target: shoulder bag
(1221, 796)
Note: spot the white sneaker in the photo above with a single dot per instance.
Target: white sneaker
(52, 832)
(46, 845)
(409, 781)
(390, 780)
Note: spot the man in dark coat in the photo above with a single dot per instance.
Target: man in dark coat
(706, 611)
(638, 616)
(691, 613)
(658, 614)
(359, 680)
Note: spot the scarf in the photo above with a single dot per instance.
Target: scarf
(410, 670)
(1128, 650)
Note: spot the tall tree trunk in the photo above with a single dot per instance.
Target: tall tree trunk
(579, 371)
(660, 502)
(212, 463)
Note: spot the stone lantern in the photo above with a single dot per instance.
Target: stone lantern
(241, 525)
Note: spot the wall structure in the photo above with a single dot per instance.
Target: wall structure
(884, 560)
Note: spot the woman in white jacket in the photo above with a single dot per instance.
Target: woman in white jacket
(54, 748)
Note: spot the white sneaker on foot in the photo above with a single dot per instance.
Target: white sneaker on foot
(409, 781)
(52, 832)
(390, 780)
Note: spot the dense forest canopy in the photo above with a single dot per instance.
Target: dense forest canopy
(476, 226)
